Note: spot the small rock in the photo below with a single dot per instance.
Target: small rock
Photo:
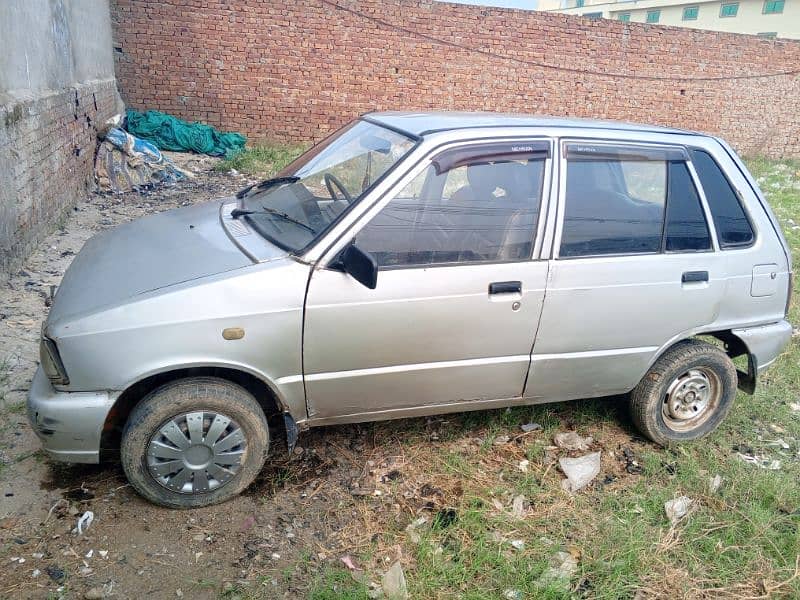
(95, 593)
(179, 593)
(36, 573)
(528, 427)
(518, 506)
(512, 595)
(501, 439)
(518, 545)
(795, 406)
(571, 440)
(714, 484)
(565, 565)
(523, 465)
(677, 508)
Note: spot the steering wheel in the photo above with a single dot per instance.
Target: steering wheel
(331, 181)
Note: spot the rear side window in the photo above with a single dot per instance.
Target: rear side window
(630, 201)
(687, 229)
(733, 227)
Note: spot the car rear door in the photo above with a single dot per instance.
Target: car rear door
(458, 298)
(635, 265)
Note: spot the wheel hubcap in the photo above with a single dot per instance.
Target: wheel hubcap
(196, 452)
(691, 399)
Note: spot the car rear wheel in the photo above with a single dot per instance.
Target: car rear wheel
(686, 394)
(194, 442)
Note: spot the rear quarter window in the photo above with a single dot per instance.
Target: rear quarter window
(733, 227)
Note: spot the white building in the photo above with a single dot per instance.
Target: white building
(767, 18)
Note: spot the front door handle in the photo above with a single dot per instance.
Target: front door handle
(694, 276)
(505, 287)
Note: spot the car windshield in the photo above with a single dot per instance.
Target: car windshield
(294, 208)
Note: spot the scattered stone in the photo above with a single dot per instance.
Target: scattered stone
(95, 593)
(36, 573)
(413, 527)
(677, 508)
(518, 506)
(501, 439)
(394, 583)
(579, 471)
(528, 427)
(347, 561)
(512, 594)
(571, 440)
(179, 593)
(714, 484)
(518, 545)
(564, 566)
(795, 406)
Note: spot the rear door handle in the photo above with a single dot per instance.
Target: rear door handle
(694, 276)
(505, 287)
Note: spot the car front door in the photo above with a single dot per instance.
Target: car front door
(453, 317)
(635, 266)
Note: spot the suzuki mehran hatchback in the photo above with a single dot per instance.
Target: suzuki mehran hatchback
(413, 264)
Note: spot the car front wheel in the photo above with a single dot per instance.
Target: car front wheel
(194, 442)
(686, 394)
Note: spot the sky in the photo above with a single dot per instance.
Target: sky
(529, 4)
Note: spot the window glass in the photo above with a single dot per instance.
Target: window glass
(624, 17)
(730, 9)
(733, 227)
(690, 13)
(686, 229)
(653, 16)
(772, 7)
(484, 212)
(604, 214)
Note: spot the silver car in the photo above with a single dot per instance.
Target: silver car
(413, 264)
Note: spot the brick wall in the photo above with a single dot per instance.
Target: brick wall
(294, 71)
(47, 146)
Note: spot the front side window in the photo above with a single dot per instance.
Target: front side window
(772, 7)
(302, 202)
(622, 201)
(624, 17)
(729, 9)
(653, 16)
(732, 225)
(468, 210)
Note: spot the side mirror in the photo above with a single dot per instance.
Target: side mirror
(361, 266)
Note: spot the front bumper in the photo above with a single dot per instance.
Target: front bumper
(70, 424)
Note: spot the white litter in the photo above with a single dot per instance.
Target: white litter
(579, 471)
(394, 583)
(714, 484)
(84, 522)
(518, 545)
(795, 406)
(677, 508)
(523, 465)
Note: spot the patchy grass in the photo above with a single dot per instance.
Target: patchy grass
(262, 160)
(742, 540)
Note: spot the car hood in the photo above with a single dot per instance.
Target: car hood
(144, 255)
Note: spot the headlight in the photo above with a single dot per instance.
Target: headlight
(51, 362)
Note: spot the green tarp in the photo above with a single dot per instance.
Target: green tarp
(170, 133)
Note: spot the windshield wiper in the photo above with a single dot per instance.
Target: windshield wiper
(239, 212)
(266, 184)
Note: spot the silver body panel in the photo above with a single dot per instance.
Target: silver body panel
(153, 296)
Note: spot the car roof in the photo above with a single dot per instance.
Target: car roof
(419, 124)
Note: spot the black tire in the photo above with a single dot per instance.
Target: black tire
(177, 402)
(662, 417)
